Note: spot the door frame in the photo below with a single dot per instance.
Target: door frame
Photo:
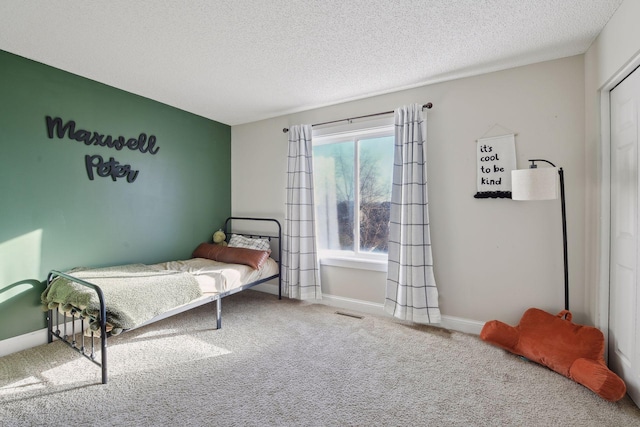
(604, 243)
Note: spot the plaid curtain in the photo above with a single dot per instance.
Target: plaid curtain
(300, 272)
(411, 287)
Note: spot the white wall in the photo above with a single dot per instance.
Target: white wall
(609, 57)
(493, 258)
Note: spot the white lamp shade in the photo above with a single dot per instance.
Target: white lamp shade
(534, 184)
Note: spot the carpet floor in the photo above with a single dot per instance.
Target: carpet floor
(290, 363)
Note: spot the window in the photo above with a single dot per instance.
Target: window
(352, 179)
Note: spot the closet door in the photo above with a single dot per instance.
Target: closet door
(624, 298)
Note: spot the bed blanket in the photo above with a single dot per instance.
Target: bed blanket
(133, 293)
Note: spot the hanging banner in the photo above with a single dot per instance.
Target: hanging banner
(496, 158)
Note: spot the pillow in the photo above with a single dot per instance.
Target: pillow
(251, 257)
(575, 351)
(239, 241)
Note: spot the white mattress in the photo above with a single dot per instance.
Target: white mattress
(216, 277)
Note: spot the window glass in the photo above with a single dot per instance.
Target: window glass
(376, 166)
(352, 179)
(333, 176)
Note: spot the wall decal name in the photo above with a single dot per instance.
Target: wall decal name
(102, 168)
(141, 143)
(111, 168)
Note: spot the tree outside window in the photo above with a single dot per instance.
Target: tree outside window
(350, 221)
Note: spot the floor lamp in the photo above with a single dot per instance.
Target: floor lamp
(541, 184)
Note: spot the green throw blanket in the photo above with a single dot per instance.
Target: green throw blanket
(133, 294)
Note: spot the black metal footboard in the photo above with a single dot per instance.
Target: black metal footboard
(57, 319)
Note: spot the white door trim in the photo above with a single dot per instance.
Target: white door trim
(602, 295)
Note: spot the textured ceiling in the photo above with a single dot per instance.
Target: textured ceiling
(246, 60)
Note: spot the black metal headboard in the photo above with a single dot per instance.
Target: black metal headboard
(228, 229)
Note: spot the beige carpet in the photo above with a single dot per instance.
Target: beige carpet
(294, 364)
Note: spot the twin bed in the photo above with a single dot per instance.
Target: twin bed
(92, 304)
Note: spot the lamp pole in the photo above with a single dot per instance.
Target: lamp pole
(564, 228)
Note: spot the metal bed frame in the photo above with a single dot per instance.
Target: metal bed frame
(69, 321)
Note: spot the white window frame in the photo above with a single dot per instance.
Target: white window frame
(361, 130)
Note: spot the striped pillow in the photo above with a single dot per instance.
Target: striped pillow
(239, 241)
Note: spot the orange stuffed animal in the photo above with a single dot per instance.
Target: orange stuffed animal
(575, 351)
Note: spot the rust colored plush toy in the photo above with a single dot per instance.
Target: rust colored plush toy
(575, 351)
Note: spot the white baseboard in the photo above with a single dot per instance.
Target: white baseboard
(353, 304)
(33, 339)
(448, 322)
(23, 342)
(462, 325)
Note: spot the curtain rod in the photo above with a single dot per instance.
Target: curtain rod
(428, 106)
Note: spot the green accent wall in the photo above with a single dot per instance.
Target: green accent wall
(53, 217)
